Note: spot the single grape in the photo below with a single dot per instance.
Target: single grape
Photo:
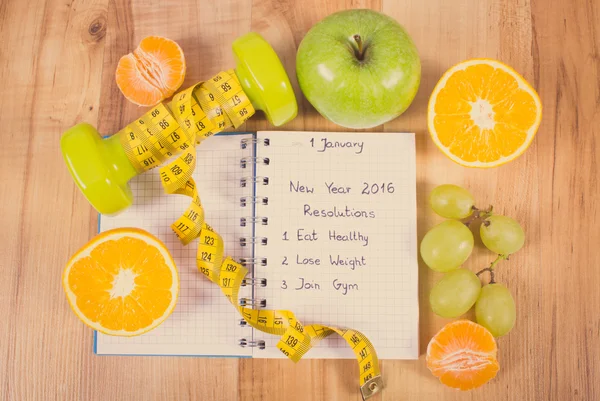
(495, 309)
(447, 246)
(451, 201)
(502, 235)
(455, 293)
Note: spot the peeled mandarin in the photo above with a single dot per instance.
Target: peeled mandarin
(152, 72)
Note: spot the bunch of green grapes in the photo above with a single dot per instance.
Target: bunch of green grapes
(449, 244)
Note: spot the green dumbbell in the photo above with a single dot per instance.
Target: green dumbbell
(100, 166)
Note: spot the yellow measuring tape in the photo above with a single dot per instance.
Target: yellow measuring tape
(192, 116)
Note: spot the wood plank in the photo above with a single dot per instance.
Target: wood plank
(205, 31)
(284, 24)
(57, 62)
(565, 319)
(452, 33)
(51, 81)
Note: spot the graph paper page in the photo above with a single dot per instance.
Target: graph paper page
(204, 322)
(341, 232)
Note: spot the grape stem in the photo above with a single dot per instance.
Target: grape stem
(478, 214)
(492, 276)
(491, 267)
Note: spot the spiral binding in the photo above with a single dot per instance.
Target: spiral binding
(255, 180)
(244, 200)
(244, 143)
(260, 160)
(253, 261)
(261, 282)
(244, 241)
(253, 240)
(262, 220)
(260, 344)
(254, 302)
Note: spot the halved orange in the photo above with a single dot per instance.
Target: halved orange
(482, 113)
(463, 355)
(123, 282)
(153, 72)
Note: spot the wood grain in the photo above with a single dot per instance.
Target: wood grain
(57, 62)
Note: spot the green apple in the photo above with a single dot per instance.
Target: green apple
(358, 68)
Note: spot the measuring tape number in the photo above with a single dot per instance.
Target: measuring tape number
(176, 129)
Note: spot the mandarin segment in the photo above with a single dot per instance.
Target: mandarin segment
(152, 72)
(87, 275)
(112, 317)
(134, 84)
(170, 57)
(463, 355)
(511, 138)
(478, 77)
(131, 250)
(107, 255)
(463, 143)
(504, 86)
(467, 379)
(92, 304)
(151, 259)
(452, 102)
(160, 278)
(126, 286)
(460, 88)
(134, 316)
(153, 301)
(518, 110)
(451, 127)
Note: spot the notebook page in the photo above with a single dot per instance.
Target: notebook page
(341, 235)
(203, 322)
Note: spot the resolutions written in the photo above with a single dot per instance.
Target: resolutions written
(330, 241)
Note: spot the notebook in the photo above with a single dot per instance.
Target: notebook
(333, 218)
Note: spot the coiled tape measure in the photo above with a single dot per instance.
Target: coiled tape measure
(296, 339)
(102, 169)
(177, 128)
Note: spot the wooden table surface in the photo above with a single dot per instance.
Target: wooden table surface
(57, 64)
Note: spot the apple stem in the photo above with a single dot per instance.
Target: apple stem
(359, 43)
